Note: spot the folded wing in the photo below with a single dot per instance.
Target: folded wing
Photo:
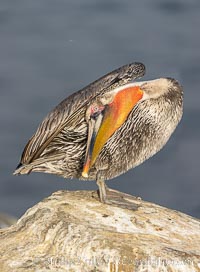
(65, 113)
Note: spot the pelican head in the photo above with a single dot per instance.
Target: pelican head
(110, 111)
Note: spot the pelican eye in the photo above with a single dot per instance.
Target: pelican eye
(96, 110)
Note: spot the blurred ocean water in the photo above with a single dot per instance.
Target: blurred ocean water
(49, 49)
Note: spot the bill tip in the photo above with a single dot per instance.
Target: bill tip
(84, 174)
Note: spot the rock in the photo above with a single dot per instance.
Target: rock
(73, 231)
(6, 220)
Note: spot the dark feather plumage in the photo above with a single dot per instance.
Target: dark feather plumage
(59, 144)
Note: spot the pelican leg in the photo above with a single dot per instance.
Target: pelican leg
(102, 187)
(115, 198)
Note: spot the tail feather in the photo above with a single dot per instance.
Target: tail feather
(39, 165)
(22, 169)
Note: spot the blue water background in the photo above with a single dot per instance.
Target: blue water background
(51, 48)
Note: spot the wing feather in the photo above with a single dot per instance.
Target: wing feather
(64, 114)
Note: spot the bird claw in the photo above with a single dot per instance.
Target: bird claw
(120, 199)
(116, 198)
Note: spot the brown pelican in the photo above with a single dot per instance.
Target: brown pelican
(106, 128)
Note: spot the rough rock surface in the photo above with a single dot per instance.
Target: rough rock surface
(6, 220)
(73, 231)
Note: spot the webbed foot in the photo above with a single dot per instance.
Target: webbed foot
(116, 198)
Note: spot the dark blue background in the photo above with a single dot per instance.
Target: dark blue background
(51, 48)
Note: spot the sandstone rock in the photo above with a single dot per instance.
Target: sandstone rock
(73, 231)
(6, 220)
